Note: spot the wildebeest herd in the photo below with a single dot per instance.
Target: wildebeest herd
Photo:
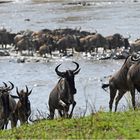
(62, 96)
(10, 110)
(46, 41)
(127, 78)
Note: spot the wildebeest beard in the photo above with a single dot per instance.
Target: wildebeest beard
(6, 106)
(71, 83)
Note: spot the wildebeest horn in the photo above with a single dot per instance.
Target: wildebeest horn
(12, 85)
(77, 67)
(61, 74)
(30, 92)
(134, 58)
(27, 91)
(5, 84)
(13, 96)
(17, 91)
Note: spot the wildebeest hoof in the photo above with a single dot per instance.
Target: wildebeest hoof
(70, 116)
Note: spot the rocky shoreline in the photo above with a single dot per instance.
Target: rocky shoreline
(12, 56)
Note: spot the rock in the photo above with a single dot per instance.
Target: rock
(4, 53)
(21, 60)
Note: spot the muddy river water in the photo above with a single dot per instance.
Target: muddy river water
(105, 16)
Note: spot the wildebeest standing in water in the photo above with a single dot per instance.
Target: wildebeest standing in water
(115, 41)
(68, 41)
(91, 43)
(6, 37)
(62, 96)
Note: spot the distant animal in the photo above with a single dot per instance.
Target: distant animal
(115, 41)
(69, 41)
(18, 37)
(7, 106)
(23, 107)
(62, 96)
(118, 82)
(25, 43)
(91, 43)
(135, 46)
(6, 38)
(45, 49)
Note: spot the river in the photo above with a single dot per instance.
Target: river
(104, 16)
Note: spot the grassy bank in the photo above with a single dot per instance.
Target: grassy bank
(100, 125)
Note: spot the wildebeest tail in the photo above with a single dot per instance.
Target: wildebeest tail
(105, 86)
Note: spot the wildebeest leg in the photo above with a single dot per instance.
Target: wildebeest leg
(22, 120)
(51, 116)
(1, 124)
(65, 109)
(96, 49)
(72, 50)
(112, 96)
(73, 105)
(133, 97)
(65, 52)
(14, 120)
(6, 124)
(120, 95)
(2, 127)
(60, 113)
(65, 114)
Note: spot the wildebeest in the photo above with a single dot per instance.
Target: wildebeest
(93, 42)
(62, 96)
(118, 82)
(133, 78)
(68, 41)
(135, 46)
(25, 43)
(45, 49)
(23, 108)
(115, 41)
(6, 38)
(7, 106)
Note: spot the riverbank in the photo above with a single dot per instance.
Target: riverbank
(101, 125)
(12, 56)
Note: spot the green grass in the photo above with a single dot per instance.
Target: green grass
(102, 125)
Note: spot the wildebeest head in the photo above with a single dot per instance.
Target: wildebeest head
(129, 61)
(4, 97)
(118, 39)
(23, 99)
(69, 76)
